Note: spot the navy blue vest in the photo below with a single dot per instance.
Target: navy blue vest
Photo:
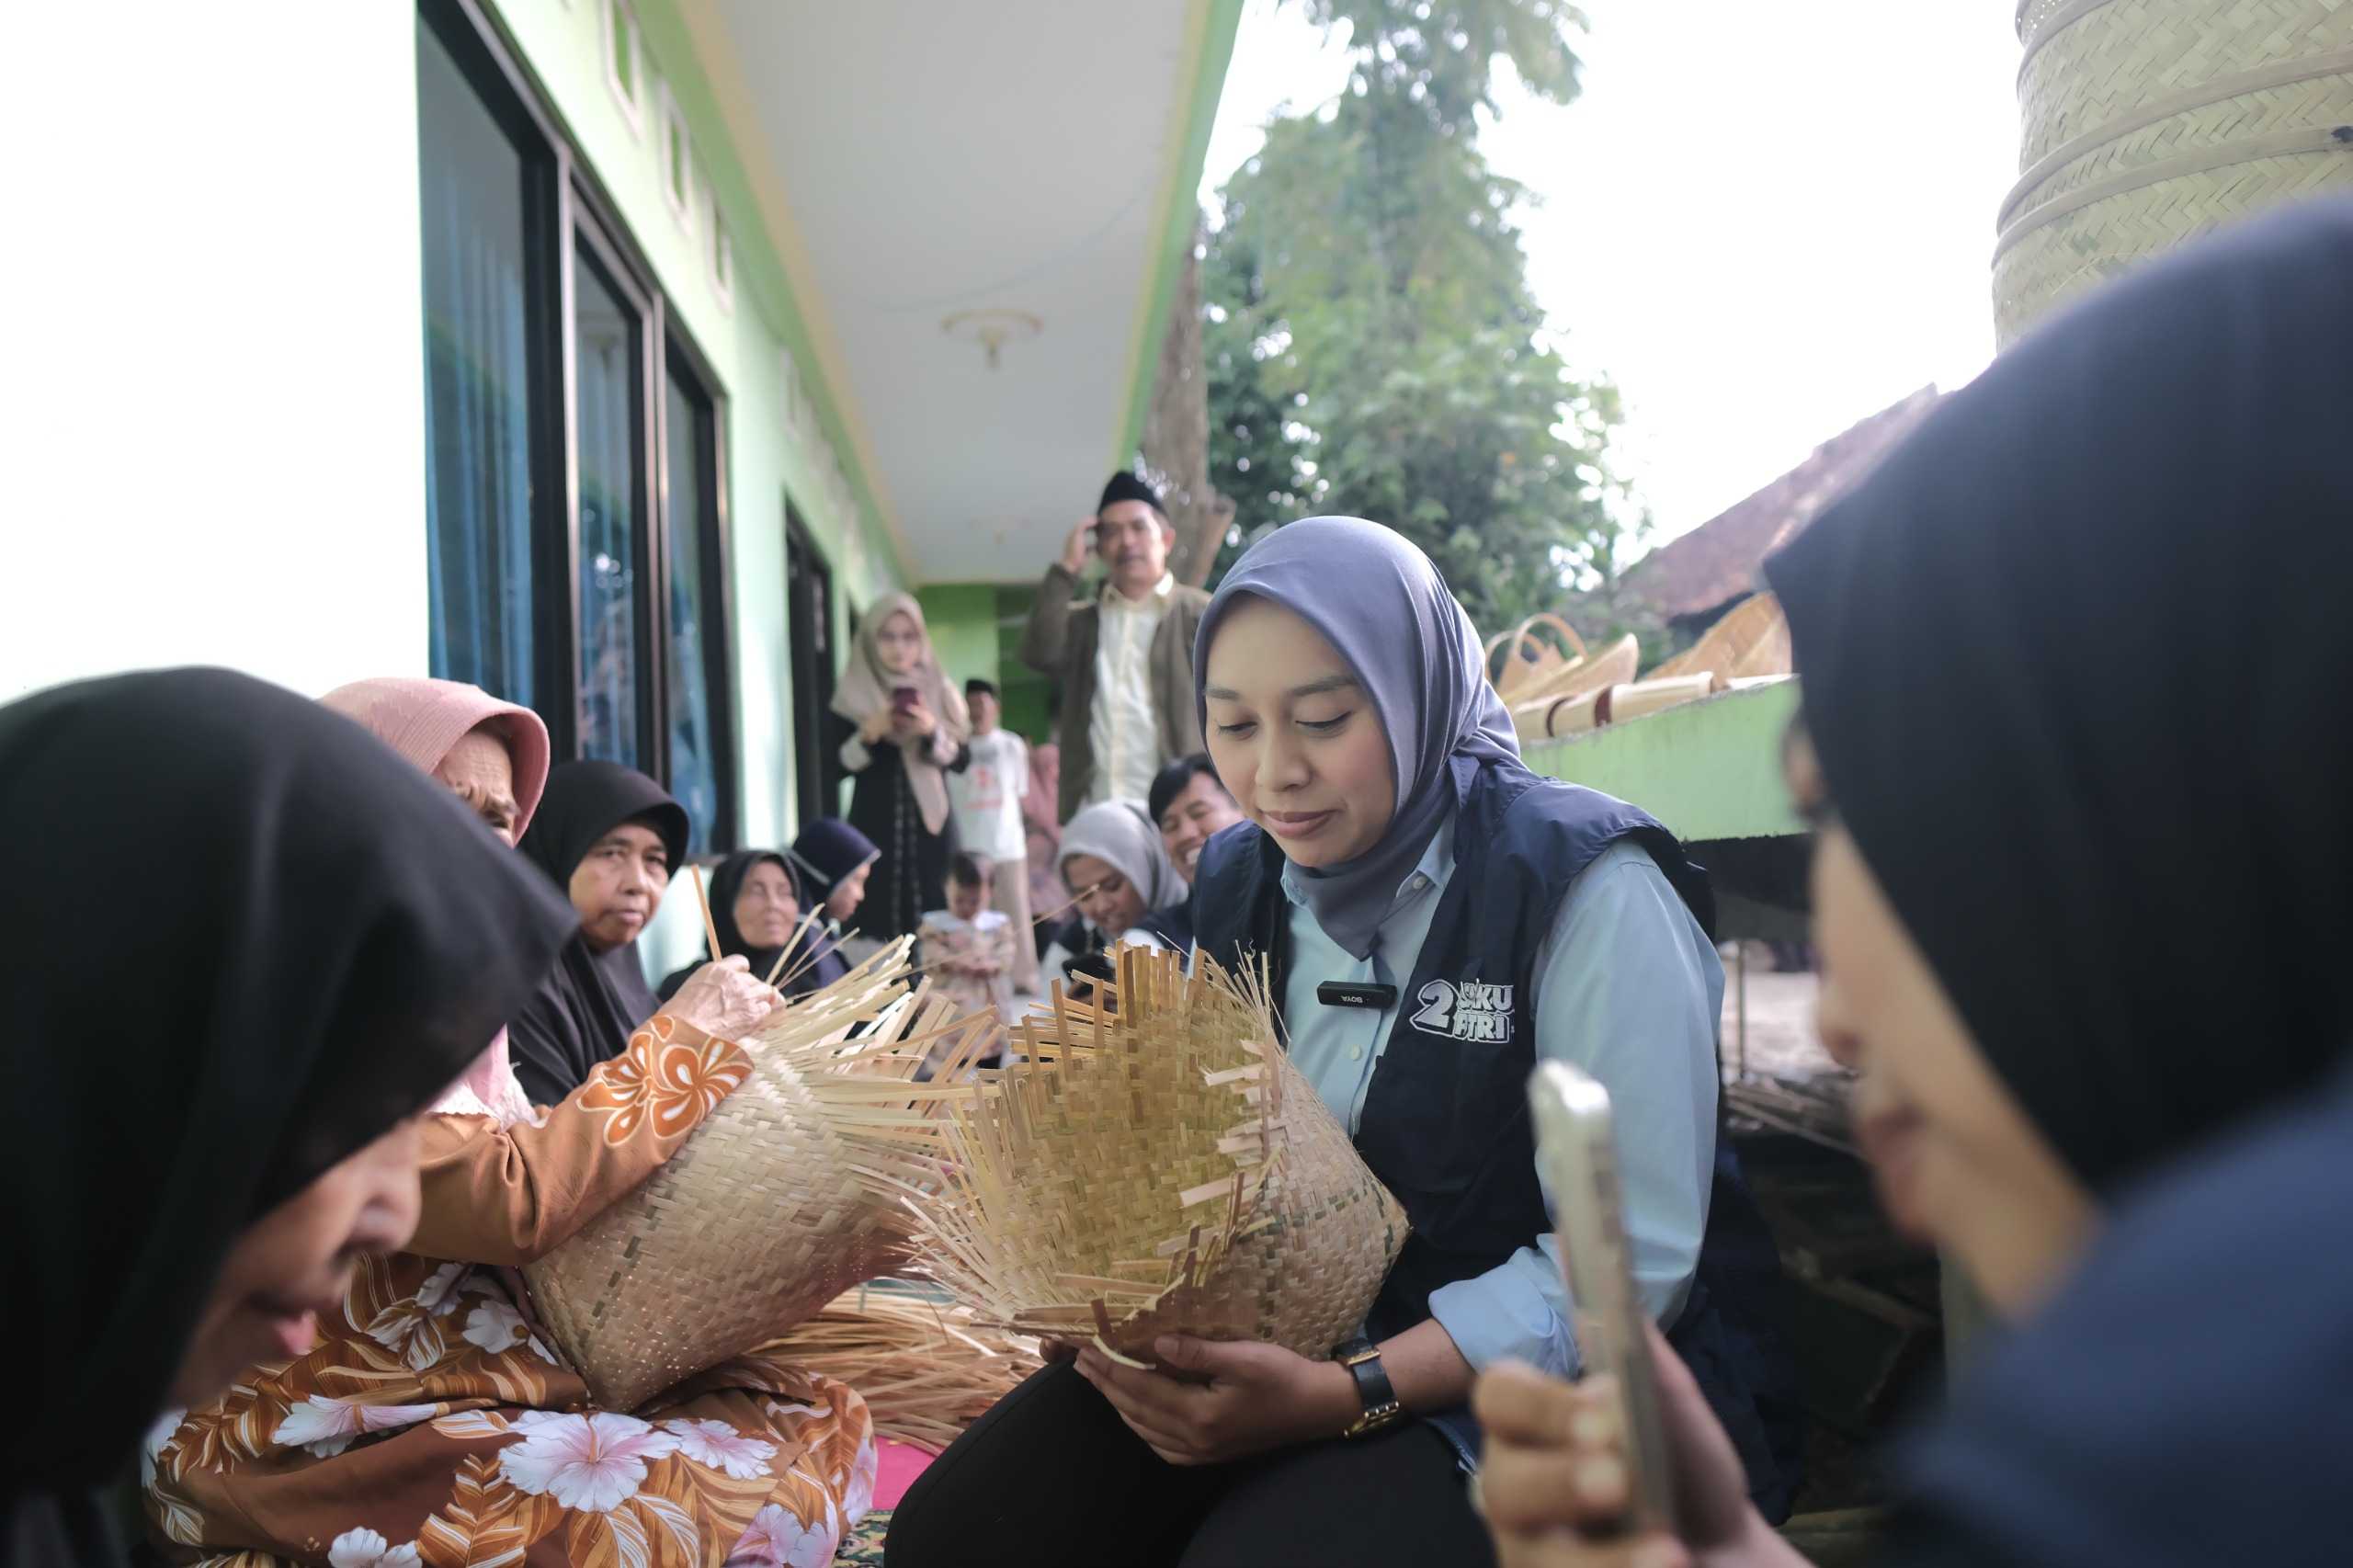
(1445, 1123)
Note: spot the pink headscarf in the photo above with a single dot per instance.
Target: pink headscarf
(422, 720)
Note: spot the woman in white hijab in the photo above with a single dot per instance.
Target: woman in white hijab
(1113, 859)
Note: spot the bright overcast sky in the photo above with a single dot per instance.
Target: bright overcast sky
(1763, 221)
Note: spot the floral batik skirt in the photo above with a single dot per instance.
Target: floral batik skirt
(431, 1426)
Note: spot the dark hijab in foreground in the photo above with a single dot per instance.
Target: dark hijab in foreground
(2079, 669)
(326, 938)
(592, 1002)
(726, 885)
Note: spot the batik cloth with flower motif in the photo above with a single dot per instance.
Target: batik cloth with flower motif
(432, 1426)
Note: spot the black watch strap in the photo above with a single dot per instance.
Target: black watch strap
(1374, 1392)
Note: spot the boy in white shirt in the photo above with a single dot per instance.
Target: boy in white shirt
(968, 947)
(986, 798)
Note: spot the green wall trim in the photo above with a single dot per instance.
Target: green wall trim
(1182, 211)
(759, 270)
(1710, 769)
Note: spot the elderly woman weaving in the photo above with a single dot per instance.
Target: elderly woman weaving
(431, 1418)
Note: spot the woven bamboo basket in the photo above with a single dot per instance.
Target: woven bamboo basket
(784, 1197)
(2148, 122)
(1531, 661)
(1749, 640)
(1540, 716)
(927, 1369)
(1158, 1166)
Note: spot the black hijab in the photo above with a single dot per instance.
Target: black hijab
(725, 883)
(827, 851)
(2078, 666)
(323, 937)
(591, 1001)
(2187, 1400)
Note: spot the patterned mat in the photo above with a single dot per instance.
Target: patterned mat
(863, 1549)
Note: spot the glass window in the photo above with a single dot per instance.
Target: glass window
(681, 158)
(694, 651)
(621, 53)
(577, 553)
(477, 384)
(607, 368)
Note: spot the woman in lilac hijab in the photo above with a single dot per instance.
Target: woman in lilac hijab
(1481, 919)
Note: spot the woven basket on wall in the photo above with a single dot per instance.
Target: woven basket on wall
(1159, 1168)
(2148, 122)
(787, 1195)
(1751, 640)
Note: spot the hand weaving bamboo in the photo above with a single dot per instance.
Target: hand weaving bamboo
(784, 1197)
(1157, 1166)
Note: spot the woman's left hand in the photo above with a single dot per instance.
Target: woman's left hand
(921, 721)
(1256, 1397)
(724, 1000)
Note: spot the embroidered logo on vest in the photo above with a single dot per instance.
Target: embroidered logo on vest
(1471, 1010)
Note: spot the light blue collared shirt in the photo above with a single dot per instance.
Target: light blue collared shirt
(1627, 988)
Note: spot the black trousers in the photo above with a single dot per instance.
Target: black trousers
(1051, 1476)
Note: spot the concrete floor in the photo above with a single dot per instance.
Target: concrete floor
(1779, 1037)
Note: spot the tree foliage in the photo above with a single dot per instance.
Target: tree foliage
(1371, 343)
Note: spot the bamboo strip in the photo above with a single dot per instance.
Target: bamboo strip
(925, 1371)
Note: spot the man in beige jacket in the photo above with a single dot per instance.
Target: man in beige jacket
(1123, 656)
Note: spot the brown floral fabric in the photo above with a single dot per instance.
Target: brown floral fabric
(432, 1424)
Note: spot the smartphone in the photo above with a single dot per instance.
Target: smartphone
(1579, 1159)
(903, 699)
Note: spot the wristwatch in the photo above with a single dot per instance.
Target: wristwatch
(1382, 1411)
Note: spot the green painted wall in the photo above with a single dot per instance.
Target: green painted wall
(962, 617)
(1711, 769)
(1025, 691)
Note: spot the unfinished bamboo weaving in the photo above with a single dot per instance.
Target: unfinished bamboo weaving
(783, 1198)
(927, 1369)
(1158, 1167)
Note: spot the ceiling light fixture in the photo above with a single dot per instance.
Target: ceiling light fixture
(993, 329)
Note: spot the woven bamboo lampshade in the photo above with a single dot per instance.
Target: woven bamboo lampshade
(784, 1197)
(2148, 122)
(1159, 1166)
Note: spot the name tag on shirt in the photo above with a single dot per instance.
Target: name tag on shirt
(1350, 994)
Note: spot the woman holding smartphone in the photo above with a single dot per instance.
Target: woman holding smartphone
(1436, 919)
(909, 729)
(2083, 888)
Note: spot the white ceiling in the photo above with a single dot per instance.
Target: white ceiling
(938, 156)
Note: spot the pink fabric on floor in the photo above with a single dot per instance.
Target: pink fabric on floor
(900, 1464)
